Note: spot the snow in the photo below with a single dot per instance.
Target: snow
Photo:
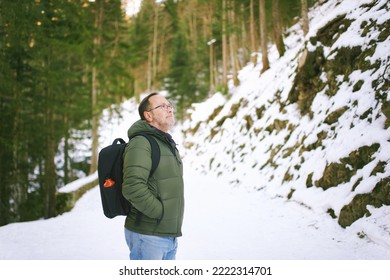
(234, 211)
(227, 223)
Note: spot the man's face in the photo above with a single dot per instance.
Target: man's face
(160, 113)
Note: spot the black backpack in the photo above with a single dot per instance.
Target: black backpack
(110, 173)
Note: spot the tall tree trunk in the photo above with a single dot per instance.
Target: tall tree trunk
(277, 28)
(49, 175)
(5, 207)
(137, 91)
(161, 52)
(49, 181)
(211, 67)
(305, 18)
(13, 190)
(95, 86)
(305, 29)
(16, 190)
(244, 37)
(149, 69)
(224, 44)
(66, 129)
(263, 35)
(155, 41)
(253, 33)
(233, 46)
(66, 151)
(95, 121)
(191, 15)
(211, 46)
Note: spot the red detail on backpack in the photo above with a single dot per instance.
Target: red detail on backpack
(109, 183)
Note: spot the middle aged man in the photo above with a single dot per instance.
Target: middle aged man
(153, 225)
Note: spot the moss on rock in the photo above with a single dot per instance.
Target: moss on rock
(379, 168)
(307, 82)
(309, 180)
(249, 122)
(334, 116)
(277, 126)
(328, 34)
(386, 111)
(358, 207)
(338, 173)
(233, 112)
(334, 174)
(361, 157)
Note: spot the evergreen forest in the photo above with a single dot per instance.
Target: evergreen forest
(63, 62)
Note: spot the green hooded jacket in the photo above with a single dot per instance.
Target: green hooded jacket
(160, 198)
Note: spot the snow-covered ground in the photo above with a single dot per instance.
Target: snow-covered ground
(221, 223)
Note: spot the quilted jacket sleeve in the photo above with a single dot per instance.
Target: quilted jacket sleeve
(137, 163)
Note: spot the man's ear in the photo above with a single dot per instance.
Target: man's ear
(148, 116)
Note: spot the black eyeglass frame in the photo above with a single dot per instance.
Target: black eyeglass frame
(165, 107)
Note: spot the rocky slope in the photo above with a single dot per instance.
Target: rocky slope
(315, 127)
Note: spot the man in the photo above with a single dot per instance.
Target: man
(155, 221)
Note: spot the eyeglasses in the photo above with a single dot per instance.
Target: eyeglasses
(165, 107)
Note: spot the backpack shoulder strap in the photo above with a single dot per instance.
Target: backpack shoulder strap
(156, 153)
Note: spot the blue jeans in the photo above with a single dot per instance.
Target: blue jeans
(150, 247)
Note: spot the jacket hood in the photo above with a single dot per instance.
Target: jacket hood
(142, 126)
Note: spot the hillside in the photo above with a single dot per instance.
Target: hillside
(318, 133)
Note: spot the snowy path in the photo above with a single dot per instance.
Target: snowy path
(221, 222)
